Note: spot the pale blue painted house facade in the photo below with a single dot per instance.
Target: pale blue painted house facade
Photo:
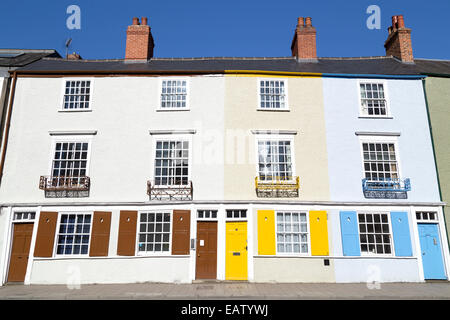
(381, 168)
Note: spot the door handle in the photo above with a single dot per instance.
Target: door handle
(434, 241)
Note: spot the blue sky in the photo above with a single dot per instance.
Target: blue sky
(211, 28)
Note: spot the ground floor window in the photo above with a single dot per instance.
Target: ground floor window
(154, 232)
(292, 232)
(374, 233)
(73, 234)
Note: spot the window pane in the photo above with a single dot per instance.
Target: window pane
(74, 229)
(154, 237)
(374, 234)
(292, 232)
(173, 94)
(272, 94)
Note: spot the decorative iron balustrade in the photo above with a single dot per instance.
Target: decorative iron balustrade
(64, 186)
(286, 187)
(176, 192)
(390, 185)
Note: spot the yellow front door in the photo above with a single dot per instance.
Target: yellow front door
(236, 251)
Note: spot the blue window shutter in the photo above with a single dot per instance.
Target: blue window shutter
(350, 235)
(400, 231)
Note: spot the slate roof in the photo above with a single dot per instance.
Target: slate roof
(383, 65)
(12, 58)
(368, 65)
(437, 67)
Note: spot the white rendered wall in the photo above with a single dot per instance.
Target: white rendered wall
(124, 109)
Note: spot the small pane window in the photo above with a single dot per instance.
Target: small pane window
(380, 162)
(236, 214)
(373, 101)
(272, 94)
(274, 160)
(207, 214)
(20, 216)
(77, 95)
(425, 216)
(154, 232)
(374, 233)
(172, 163)
(292, 232)
(73, 234)
(174, 94)
(69, 165)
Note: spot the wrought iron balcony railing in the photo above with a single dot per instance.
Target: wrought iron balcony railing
(49, 183)
(389, 185)
(183, 192)
(65, 187)
(277, 187)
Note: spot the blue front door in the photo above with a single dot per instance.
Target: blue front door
(430, 244)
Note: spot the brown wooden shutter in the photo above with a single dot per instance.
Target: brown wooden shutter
(181, 231)
(101, 225)
(127, 233)
(46, 234)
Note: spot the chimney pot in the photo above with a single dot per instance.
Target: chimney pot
(308, 22)
(144, 21)
(135, 21)
(394, 22)
(400, 22)
(300, 21)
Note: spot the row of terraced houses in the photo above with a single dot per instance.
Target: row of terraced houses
(287, 169)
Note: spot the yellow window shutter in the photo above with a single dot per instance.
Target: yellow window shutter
(266, 232)
(319, 233)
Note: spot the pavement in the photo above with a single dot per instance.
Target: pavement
(231, 291)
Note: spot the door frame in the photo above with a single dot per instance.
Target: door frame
(239, 220)
(439, 221)
(197, 247)
(440, 246)
(9, 237)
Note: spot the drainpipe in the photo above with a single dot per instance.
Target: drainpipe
(7, 125)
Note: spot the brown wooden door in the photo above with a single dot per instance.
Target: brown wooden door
(206, 265)
(20, 252)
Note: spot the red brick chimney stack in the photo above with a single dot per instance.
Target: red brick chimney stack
(398, 43)
(139, 41)
(304, 42)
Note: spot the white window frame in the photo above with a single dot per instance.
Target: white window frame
(380, 139)
(308, 235)
(69, 139)
(170, 137)
(207, 219)
(58, 225)
(27, 220)
(63, 91)
(391, 234)
(286, 103)
(275, 137)
(237, 218)
(386, 97)
(188, 94)
(161, 253)
(430, 221)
